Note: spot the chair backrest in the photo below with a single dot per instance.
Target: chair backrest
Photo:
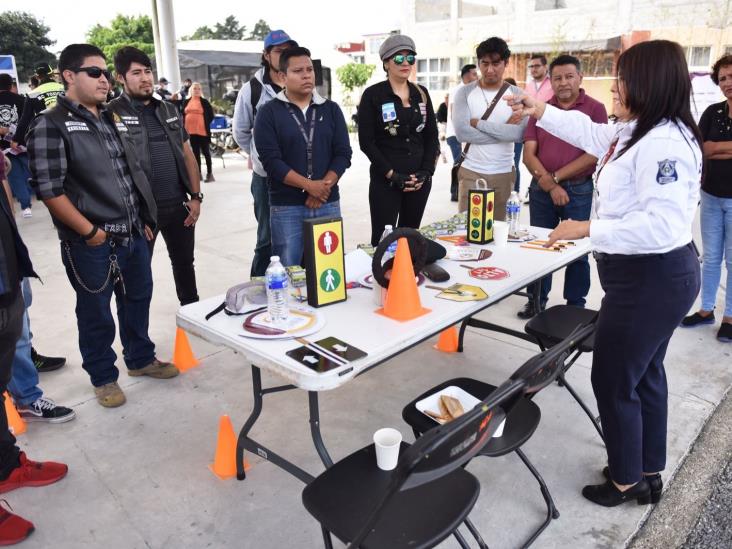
(445, 448)
(542, 369)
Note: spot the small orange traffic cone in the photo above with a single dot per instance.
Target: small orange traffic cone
(182, 355)
(448, 341)
(402, 298)
(224, 465)
(15, 423)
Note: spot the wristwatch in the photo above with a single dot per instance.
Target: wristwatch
(197, 196)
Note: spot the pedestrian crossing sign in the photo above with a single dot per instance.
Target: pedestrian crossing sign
(324, 261)
(480, 215)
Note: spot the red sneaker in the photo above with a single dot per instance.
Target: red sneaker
(33, 473)
(13, 529)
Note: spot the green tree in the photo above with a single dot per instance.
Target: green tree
(133, 30)
(229, 30)
(261, 29)
(25, 37)
(354, 75)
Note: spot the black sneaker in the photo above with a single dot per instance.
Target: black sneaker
(696, 319)
(725, 332)
(45, 409)
(46, 363)
(529, 311)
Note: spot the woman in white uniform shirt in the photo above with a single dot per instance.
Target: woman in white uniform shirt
(647, 183)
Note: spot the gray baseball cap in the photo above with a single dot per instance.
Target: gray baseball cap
(396, 43)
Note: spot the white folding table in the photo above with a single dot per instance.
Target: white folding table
(356, 322)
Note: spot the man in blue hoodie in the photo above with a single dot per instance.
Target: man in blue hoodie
(261, 88)
(303, 144)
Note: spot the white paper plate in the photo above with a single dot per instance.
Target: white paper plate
(467, 401)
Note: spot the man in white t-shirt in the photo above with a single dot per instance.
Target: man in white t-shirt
(491, 154)
(468, 74)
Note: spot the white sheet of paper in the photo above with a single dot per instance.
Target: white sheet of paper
(358, 265)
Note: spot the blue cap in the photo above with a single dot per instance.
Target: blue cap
(277, 37)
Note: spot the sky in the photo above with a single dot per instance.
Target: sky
(313, 23)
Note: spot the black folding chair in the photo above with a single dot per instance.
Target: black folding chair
(421, 502)
(522, 420)
(551, 326)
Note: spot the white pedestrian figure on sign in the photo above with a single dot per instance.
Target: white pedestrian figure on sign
(329, 279)
(327, 242)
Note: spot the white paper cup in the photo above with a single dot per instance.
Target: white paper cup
(500, 233)
(379, 294)
(387, 442)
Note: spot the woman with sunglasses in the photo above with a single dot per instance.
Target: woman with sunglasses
(647, 193)
(397, 130)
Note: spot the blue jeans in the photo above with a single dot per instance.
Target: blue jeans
(543, 213)
(517, 148)
(18, 179)
(263, 248)
(93, 310)
(716, 228)
(455, 148)
(23, 384)
(287, 235)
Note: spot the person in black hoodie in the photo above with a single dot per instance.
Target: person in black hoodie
(197, 117)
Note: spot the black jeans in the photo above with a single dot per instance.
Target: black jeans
(180, 241)
(394, 207)
(202, 144)
(11, 324)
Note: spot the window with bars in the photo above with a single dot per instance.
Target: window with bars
(698, 56)
(434, 73)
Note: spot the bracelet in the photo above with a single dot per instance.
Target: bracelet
(91, 234)
(555, 178)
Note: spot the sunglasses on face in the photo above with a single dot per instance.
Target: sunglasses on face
(95, 72)
(401, 58)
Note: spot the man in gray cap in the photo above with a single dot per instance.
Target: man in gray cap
(397, 130)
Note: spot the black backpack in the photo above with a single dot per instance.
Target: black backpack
(256, 88)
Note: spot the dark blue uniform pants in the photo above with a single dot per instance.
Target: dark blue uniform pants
(645, 299)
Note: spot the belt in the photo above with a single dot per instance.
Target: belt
(602, 256)
(577, 181)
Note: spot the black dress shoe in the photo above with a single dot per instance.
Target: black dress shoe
(654, 481)
(608, 494)
(529, 311)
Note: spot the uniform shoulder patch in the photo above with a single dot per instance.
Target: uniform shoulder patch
(666, 172)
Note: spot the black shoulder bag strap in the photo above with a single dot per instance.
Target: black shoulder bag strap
(485, 116)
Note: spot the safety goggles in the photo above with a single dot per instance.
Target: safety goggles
(400, 58)
(95, 72)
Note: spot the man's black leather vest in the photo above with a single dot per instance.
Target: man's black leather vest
(171, 121)
(91, 182)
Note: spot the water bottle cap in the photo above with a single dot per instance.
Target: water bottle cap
(274, 258)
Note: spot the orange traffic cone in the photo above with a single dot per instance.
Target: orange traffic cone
(402, 298)
(224, 465)
(448, 341)
(182, 355)
(15, 422)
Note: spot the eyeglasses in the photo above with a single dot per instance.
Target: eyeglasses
(401, 58)
(95, 72)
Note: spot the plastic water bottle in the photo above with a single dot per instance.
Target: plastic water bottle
(277, 291)
(391, 250)
(513, 212)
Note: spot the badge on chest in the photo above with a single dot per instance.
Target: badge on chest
(388, 112)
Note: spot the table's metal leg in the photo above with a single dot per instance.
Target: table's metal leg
(257, 390)
(463, 325)
(536, 295)
(244, 442)
(315, 429)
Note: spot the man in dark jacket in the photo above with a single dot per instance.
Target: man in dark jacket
(166, 157)
(302, 141)
(12, 107)
(85, 169)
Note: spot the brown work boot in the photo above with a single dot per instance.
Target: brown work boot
(156, 369)
(110, 395)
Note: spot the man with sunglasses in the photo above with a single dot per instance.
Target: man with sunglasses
(84, 168)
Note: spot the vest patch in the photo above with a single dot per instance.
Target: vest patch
(131, 120)
(76, 126)
(169, 120)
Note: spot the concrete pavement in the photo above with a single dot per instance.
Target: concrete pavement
(138, 474)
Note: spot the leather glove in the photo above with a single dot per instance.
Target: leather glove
(398, 181)
(423, 176)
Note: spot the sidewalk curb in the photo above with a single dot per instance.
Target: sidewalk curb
(670, 522)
